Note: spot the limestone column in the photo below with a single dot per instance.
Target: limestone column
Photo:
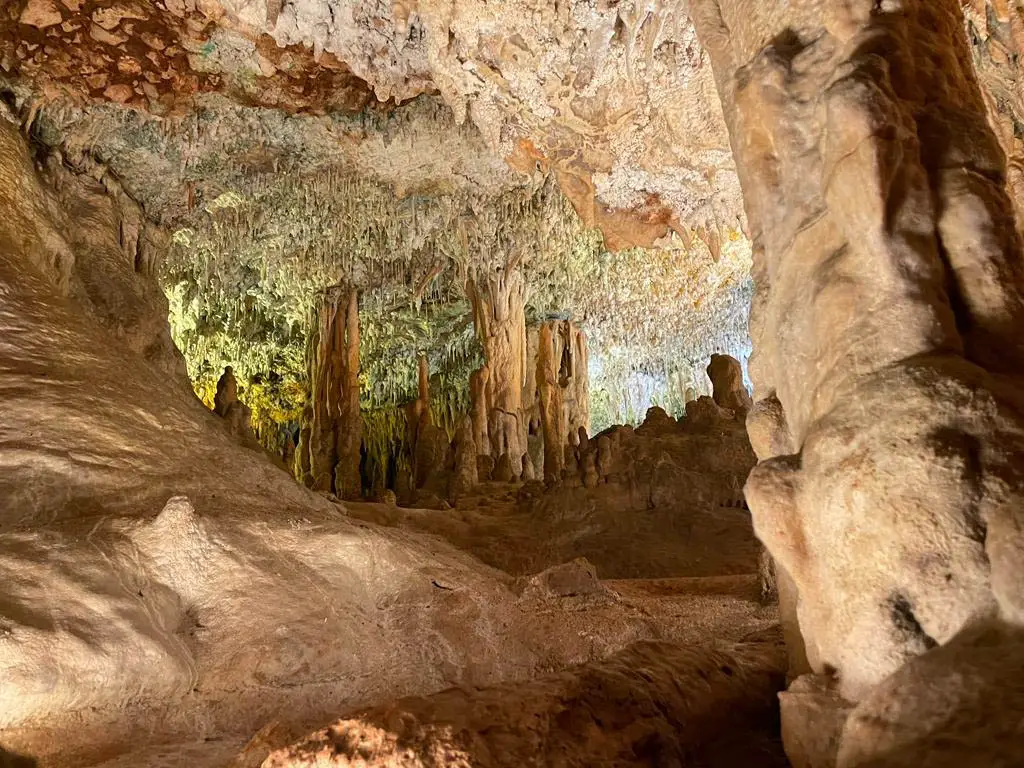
(575, 379)
(552, 414)
(499, 316)
(335, 430)
(563, 390)
(886, 323)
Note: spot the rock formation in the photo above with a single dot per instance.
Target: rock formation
(236, 414)
(227, 392)
(638, 708)
(162, 584)
(727, 382)
(561, 391)
(250, 153)
(335, 426)
(498, 316)
(464, 476)
(889, 281)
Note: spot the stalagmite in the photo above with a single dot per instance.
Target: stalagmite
(551, 407)
(727, 384)
(227, 392)
(562, 391)
(464, 476)
(478, 409)
(335, 428)
(499, 318)
(886, 324)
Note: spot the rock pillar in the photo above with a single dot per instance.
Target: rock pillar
(726, 376)
(499, 317)
(335, 429)
(552, 414)
(562, 390)
(886, 323)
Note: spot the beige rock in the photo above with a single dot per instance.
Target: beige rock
(574, 579)
(40, 14)
(873, 187)
(727, 380)
(958, 705)
(109, 18)
(813, 717)
(99, 34)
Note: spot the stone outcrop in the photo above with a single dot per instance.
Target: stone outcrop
(227, 392)
(236, 414)
(464, 475)
(885, 325)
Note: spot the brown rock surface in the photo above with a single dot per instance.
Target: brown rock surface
(668, 502)
(889, 277)
(652, 704)
(727, 382)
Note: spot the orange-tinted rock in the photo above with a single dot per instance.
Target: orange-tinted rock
(40, 14)
(119, 94)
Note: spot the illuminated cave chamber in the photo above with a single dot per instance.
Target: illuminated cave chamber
(387, 366)
(365, 328)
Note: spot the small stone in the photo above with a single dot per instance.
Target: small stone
(152, 41)
(119, 94)
(40, 14)
(101, 35)
(574, 579)
(128, 66)
(110, 18)
(97, 81)
(266, 66)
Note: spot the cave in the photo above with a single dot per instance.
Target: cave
(506, 383)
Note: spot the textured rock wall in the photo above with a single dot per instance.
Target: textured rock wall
(615, 98)
(95, 242)
(889, 290)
